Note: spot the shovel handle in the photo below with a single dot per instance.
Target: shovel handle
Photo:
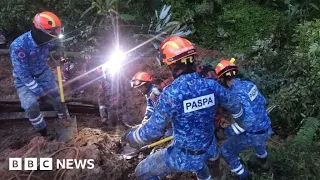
(160, 142)
(60, 84)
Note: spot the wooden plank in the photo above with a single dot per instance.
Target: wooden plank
(22, 115)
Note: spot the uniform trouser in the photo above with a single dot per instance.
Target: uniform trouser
(29, 102)
(237, 143)
(154, 167)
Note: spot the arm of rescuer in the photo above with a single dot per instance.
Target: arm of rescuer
(20, 67)
(240, 126)
(155, 127)
(228, 101)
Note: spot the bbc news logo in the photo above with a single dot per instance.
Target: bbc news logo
(46, 164)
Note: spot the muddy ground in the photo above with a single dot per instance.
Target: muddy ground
(94, 139)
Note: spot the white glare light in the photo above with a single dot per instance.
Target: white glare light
(61, 36)
(113, 65)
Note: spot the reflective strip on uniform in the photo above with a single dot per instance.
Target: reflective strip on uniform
(237, 169)
(235, 129)
(34, 86)
(238, 114)
(102, 107)
(31, 83)
(263, 155)
(137, 137)
(36, 120)
(238, 127)
(209, 178)
(60, 115)
(149, 108)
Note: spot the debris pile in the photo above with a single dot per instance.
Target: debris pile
(88, 144)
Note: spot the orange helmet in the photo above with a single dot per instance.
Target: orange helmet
(174, 49)
(48, 23)
(139, 79)
(227, 68)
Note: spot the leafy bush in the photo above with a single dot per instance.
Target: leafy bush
(299, 157)
(298, 99)
(246, 22)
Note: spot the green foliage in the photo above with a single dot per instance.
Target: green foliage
(16, 15)
(299, 157)
(298, 98)
(162, 27)
(307, 132)
(247, 22)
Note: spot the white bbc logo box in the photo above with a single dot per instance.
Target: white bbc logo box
(45, 164)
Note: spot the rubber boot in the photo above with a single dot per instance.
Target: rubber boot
(43, 132)
(256, 163)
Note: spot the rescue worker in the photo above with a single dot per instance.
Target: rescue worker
(110, 99)
(189, 103)
(32, 76)
(253, 130)
(143, 82)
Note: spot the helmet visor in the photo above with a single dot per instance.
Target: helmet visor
(136, 83)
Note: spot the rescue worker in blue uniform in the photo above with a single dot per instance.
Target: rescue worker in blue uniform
(143, 82)
(32, 76)
(189, 103)
(253, 130)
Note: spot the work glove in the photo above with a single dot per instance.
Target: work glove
(103, 114)
(125, 140)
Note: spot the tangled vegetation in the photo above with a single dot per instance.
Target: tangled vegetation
(276, 43)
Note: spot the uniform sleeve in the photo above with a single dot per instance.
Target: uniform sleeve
(149, 109)
(229, 102)
(20, 67)
(155, 127)
(241, 126)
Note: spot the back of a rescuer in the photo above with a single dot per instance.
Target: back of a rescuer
(189, 103)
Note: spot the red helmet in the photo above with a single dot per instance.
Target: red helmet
(175, 49)
(139, 79)
(48, 23)
(226, 68)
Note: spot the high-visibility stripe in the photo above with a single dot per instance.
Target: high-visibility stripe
(235, 129)
(238, 127)
(137, 137)
(150, 109)
(237, 169)
(238, 114)
(31, 83)
(208, 178)
(37, 120)
(34, 86)
(241, 171)
(263, 155)
(102, 107)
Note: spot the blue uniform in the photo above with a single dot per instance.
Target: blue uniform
(151, 104)
(32, 76)
(252, 131)
(189, 103)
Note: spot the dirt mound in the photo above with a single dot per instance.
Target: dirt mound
(88, 144)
